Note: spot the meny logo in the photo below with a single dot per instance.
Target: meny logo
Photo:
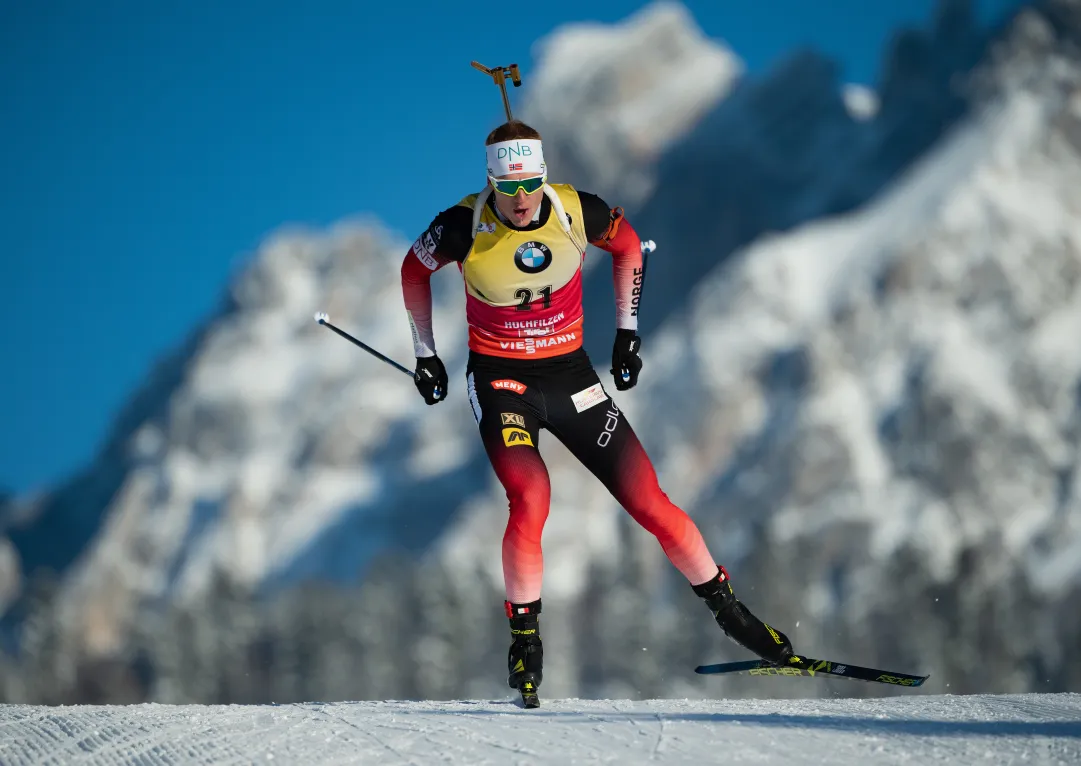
(506, 384)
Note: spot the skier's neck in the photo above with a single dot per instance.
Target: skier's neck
(538, 216)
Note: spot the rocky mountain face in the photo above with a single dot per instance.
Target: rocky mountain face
(861, 379)
(895, 399)
(788, 148)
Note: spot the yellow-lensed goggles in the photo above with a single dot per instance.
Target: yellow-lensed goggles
(510, 187)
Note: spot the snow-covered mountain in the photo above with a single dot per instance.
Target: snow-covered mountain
(861, 379)
(895, 394)
(788, 148)
(610, 100)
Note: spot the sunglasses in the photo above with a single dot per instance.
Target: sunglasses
(511, 187)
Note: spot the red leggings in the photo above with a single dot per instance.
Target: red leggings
(512, 400)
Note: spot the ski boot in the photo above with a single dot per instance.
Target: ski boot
(740, 625)
(526, 657)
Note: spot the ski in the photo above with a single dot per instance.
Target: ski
(804, 666)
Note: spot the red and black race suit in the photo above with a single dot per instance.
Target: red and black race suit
(513, 401)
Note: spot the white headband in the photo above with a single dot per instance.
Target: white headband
(519, 155)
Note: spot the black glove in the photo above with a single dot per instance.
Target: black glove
(626, 364)
(431, 379)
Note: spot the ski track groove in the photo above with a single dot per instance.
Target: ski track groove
(518, 750)
(461, 733)
(1035, 708)
(357, 750)
(428, 729)
(622, 718)
(625, 717)
(317, 708)
(146, 743)
(371, 735)
(659, 744)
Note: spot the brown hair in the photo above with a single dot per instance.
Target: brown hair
(509, 131)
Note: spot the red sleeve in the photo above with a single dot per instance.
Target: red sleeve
(417, 270)
(621, 240)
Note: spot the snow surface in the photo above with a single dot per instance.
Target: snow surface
(1027, 728)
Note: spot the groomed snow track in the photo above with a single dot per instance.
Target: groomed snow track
(915, 729)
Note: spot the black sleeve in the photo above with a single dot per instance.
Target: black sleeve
(596, 215)
(451, 234)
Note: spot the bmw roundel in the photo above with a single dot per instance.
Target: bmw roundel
(533, 257)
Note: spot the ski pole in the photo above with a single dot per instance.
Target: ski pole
(324, 320)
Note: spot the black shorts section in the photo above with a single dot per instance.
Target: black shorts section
(562, 395)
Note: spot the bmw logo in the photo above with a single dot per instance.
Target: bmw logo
(533, 257)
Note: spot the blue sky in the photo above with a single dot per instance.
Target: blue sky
(147, 148)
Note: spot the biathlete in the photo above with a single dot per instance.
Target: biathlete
(519, 245)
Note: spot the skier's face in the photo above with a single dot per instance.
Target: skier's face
(520, 208)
